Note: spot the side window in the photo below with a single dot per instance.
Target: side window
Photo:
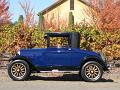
(59, 42)
(71, 4)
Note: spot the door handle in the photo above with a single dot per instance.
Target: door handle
(58, 51)
(69, 49)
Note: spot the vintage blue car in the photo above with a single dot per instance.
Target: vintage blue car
(62, 54)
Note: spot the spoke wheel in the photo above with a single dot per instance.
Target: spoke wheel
(19, 70)
(92, 71)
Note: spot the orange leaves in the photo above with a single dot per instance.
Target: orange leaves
(18, 35)
(4, 14)
(55, 24)
(4, 19)
(109, 16)
(105, 14)
(24, 28)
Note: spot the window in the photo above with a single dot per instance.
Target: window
(71, 4)
(59, 42)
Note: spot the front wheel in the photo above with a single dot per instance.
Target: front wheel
(19, 70)
(91, 71)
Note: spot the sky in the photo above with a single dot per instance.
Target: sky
(37, 5)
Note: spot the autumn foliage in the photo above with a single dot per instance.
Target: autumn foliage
(29, 20)
(106, 19)
(109, 16)
(25, 28)
(4, 13)
(105, 14)
(103, 36)
(18, 35)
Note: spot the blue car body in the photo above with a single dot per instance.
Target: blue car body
(59, 57)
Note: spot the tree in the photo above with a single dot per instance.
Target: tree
(106, 17)
(71, 19)
(109, 16)
(41, 21)
(29, 20)
(4, 21)
(4, 13)
(19, 35)
(105, 14)
(21, 19)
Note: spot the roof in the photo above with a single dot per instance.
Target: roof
(58, 3)
(53, 6)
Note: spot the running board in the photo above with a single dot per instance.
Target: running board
(57, 71)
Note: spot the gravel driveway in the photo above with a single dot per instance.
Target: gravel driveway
(58, 81)
(58, 85)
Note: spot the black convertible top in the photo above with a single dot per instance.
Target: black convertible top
(59, 34)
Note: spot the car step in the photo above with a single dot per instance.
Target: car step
(57, 71)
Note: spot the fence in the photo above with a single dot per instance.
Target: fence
(3, 63)
(4, 60)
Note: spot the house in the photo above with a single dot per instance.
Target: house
(58, 13)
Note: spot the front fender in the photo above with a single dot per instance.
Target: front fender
(18, 57)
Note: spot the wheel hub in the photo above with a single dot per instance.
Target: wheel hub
(92, 72)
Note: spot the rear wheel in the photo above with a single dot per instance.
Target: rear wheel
(91, 71)
(19, 70)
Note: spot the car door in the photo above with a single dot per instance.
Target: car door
(61, 57)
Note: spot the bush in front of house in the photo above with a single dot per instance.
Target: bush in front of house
(13, 38)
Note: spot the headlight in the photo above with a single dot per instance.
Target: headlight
(18, 52)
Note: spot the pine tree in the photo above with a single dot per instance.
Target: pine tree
(41, 21)
(71, 19)
(20, 20)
